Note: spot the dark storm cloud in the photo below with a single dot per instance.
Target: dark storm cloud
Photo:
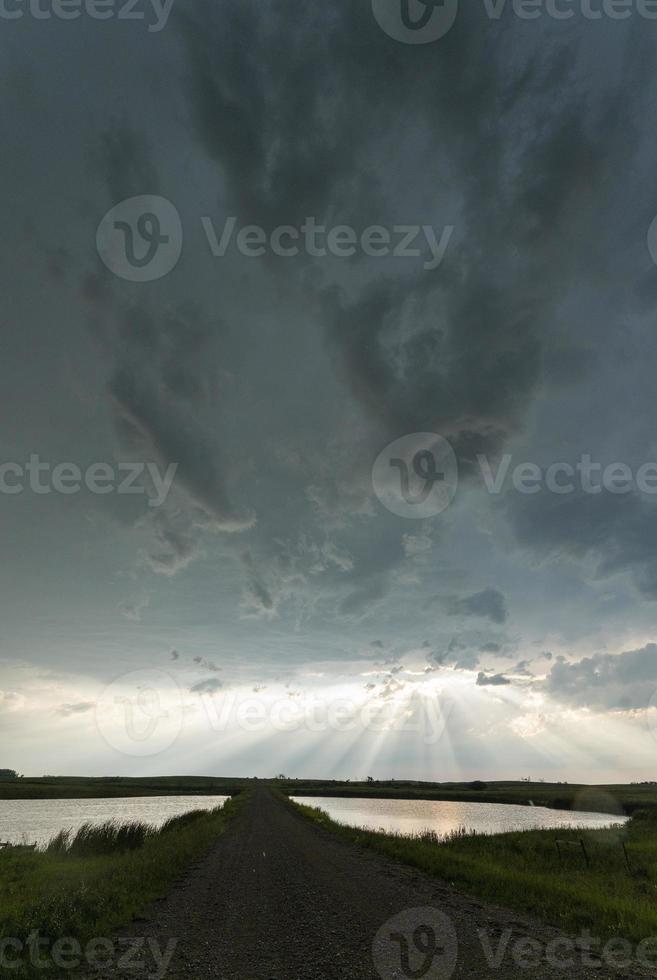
(462, 350)
(618, 532)
(362, 598)
(163, 393)
(206, 664)
(259, 598)
(164, 381)
(264, 112)
(457, 654)
(605, 681)
(209, 686)
(156, 393)
(125, 164)
(488, 604)
(426, 382)
(492, 680)
(77, 708)
(176, 542)
(289, 150)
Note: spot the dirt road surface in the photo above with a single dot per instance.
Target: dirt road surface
(279, 898)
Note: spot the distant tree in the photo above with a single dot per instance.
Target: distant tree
(477, 784)
(370, 779)
(8, 774)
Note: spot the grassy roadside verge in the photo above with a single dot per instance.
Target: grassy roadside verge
(85, 886)
(524, 872)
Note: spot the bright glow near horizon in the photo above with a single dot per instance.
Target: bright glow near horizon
(439, 725)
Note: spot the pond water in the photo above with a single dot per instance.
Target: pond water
(415, 816)
(36, 821)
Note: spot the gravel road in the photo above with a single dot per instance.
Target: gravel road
(278, 898)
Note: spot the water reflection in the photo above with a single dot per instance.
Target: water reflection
(36, 821)
(415, 816)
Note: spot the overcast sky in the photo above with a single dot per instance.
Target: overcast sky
(498, 634)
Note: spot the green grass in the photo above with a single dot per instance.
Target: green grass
(524, 872)
(107, 838)
(87, 884)
(107, 787)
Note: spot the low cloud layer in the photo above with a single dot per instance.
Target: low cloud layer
(618, 682)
